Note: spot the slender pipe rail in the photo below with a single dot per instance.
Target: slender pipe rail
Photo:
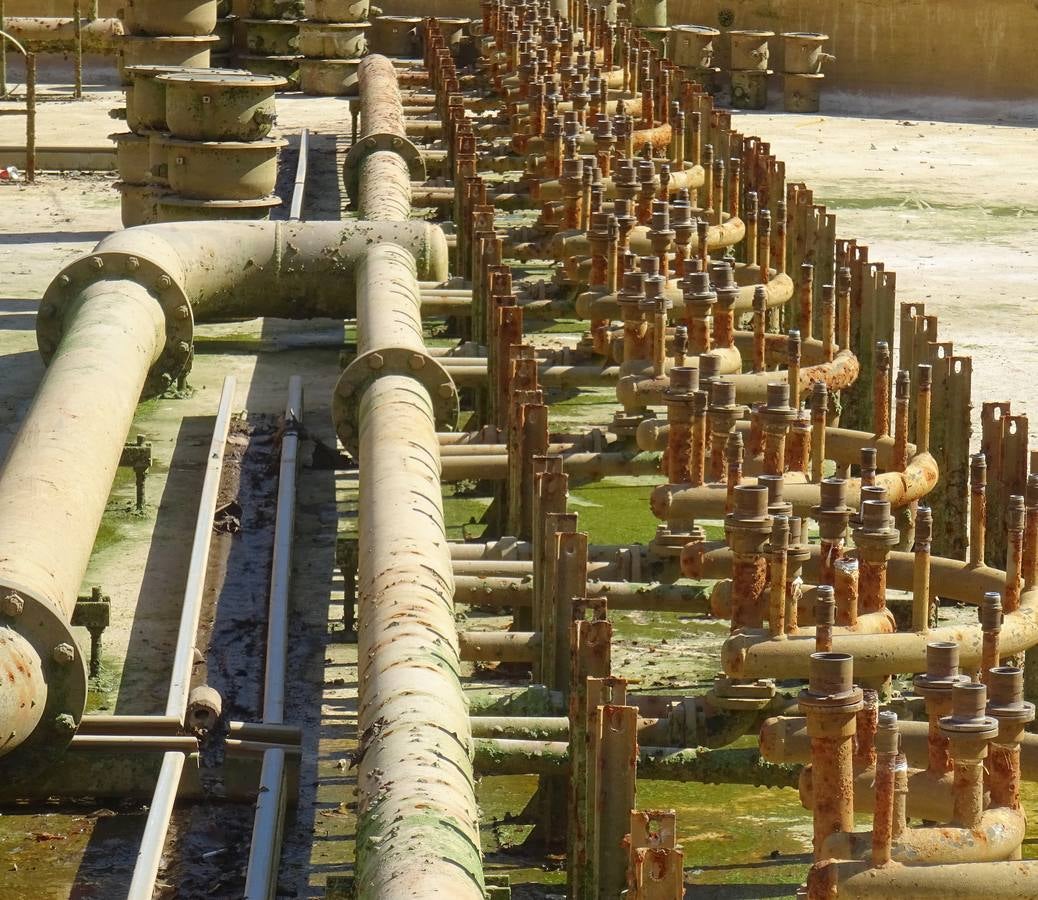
(149, 856)
(268, 824)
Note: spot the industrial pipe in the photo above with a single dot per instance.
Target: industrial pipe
(417, 833)
(58, 35)
(54, 487)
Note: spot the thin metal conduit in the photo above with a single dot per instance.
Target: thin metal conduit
(268, 824)
(149, 856)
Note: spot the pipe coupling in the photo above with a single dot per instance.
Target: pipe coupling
(372, 143)
(114, 266)
(425, 369)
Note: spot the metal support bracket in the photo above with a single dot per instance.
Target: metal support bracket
(94, 612)
(138, 457)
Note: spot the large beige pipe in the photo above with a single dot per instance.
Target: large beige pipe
(997, 837)
(54, 486)
(783, 739)
(417, 833)
(384, 186)
(246, 269)
(57, 35)
(963, 881)
(681, 502)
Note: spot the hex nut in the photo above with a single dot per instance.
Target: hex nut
(12, 605)
(64, 724)
(417, 361)
(375, 361)
(63, 653)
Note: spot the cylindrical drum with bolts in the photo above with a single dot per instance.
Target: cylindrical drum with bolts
(337, 10)
(220, 107)
(692, 46)
(324, 40)
(749, 50)
(803, 53)
(188, 18)
(801, 93)
(395, 35)
(223, 170)
(192, 52)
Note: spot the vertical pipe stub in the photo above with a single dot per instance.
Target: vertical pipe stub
(831, 678)
(1006, 695)
(969, 713)
(888, 738)
(991, 611)
(942, 671)
(825, 605)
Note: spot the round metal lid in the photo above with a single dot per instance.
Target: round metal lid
(223, 77)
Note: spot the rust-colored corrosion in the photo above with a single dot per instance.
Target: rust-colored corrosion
(749, 580)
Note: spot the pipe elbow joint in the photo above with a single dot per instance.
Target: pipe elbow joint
(115, 268)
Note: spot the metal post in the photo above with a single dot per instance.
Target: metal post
(78, 27)
(149, 856)
(268, 824)
(30, 117)
(3, 51)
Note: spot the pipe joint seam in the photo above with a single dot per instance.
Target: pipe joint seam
(111, 267)
(45, 699)
(373, 143)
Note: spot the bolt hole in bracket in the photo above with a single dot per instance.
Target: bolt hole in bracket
(87, 270)
(373, 143)
(64, 690)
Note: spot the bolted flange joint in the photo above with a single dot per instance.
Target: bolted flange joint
(111, 266)
(364, 369)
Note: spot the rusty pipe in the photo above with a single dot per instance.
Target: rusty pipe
(58, 35)
(408, 647)
(857, 880)
(61, 465)
(830, 703)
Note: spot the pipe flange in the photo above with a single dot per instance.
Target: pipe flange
(372, 143)
(1022, 712)
(64, 673)
(937, 686)
(737, 695)
(360, 373)
(977, 727)
(116, 265)
(839, 702)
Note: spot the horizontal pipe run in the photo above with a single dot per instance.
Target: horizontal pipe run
(499, 646)
(169, 725)
(696, 764)
(282, 269)
(115, 774)
(194, 589)
(784, 739)
(494, 467)
(44, 34)
(504, 591)
(1009, 880)
(997, 837)
(681, 502)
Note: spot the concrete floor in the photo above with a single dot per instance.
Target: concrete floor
(950, 205)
